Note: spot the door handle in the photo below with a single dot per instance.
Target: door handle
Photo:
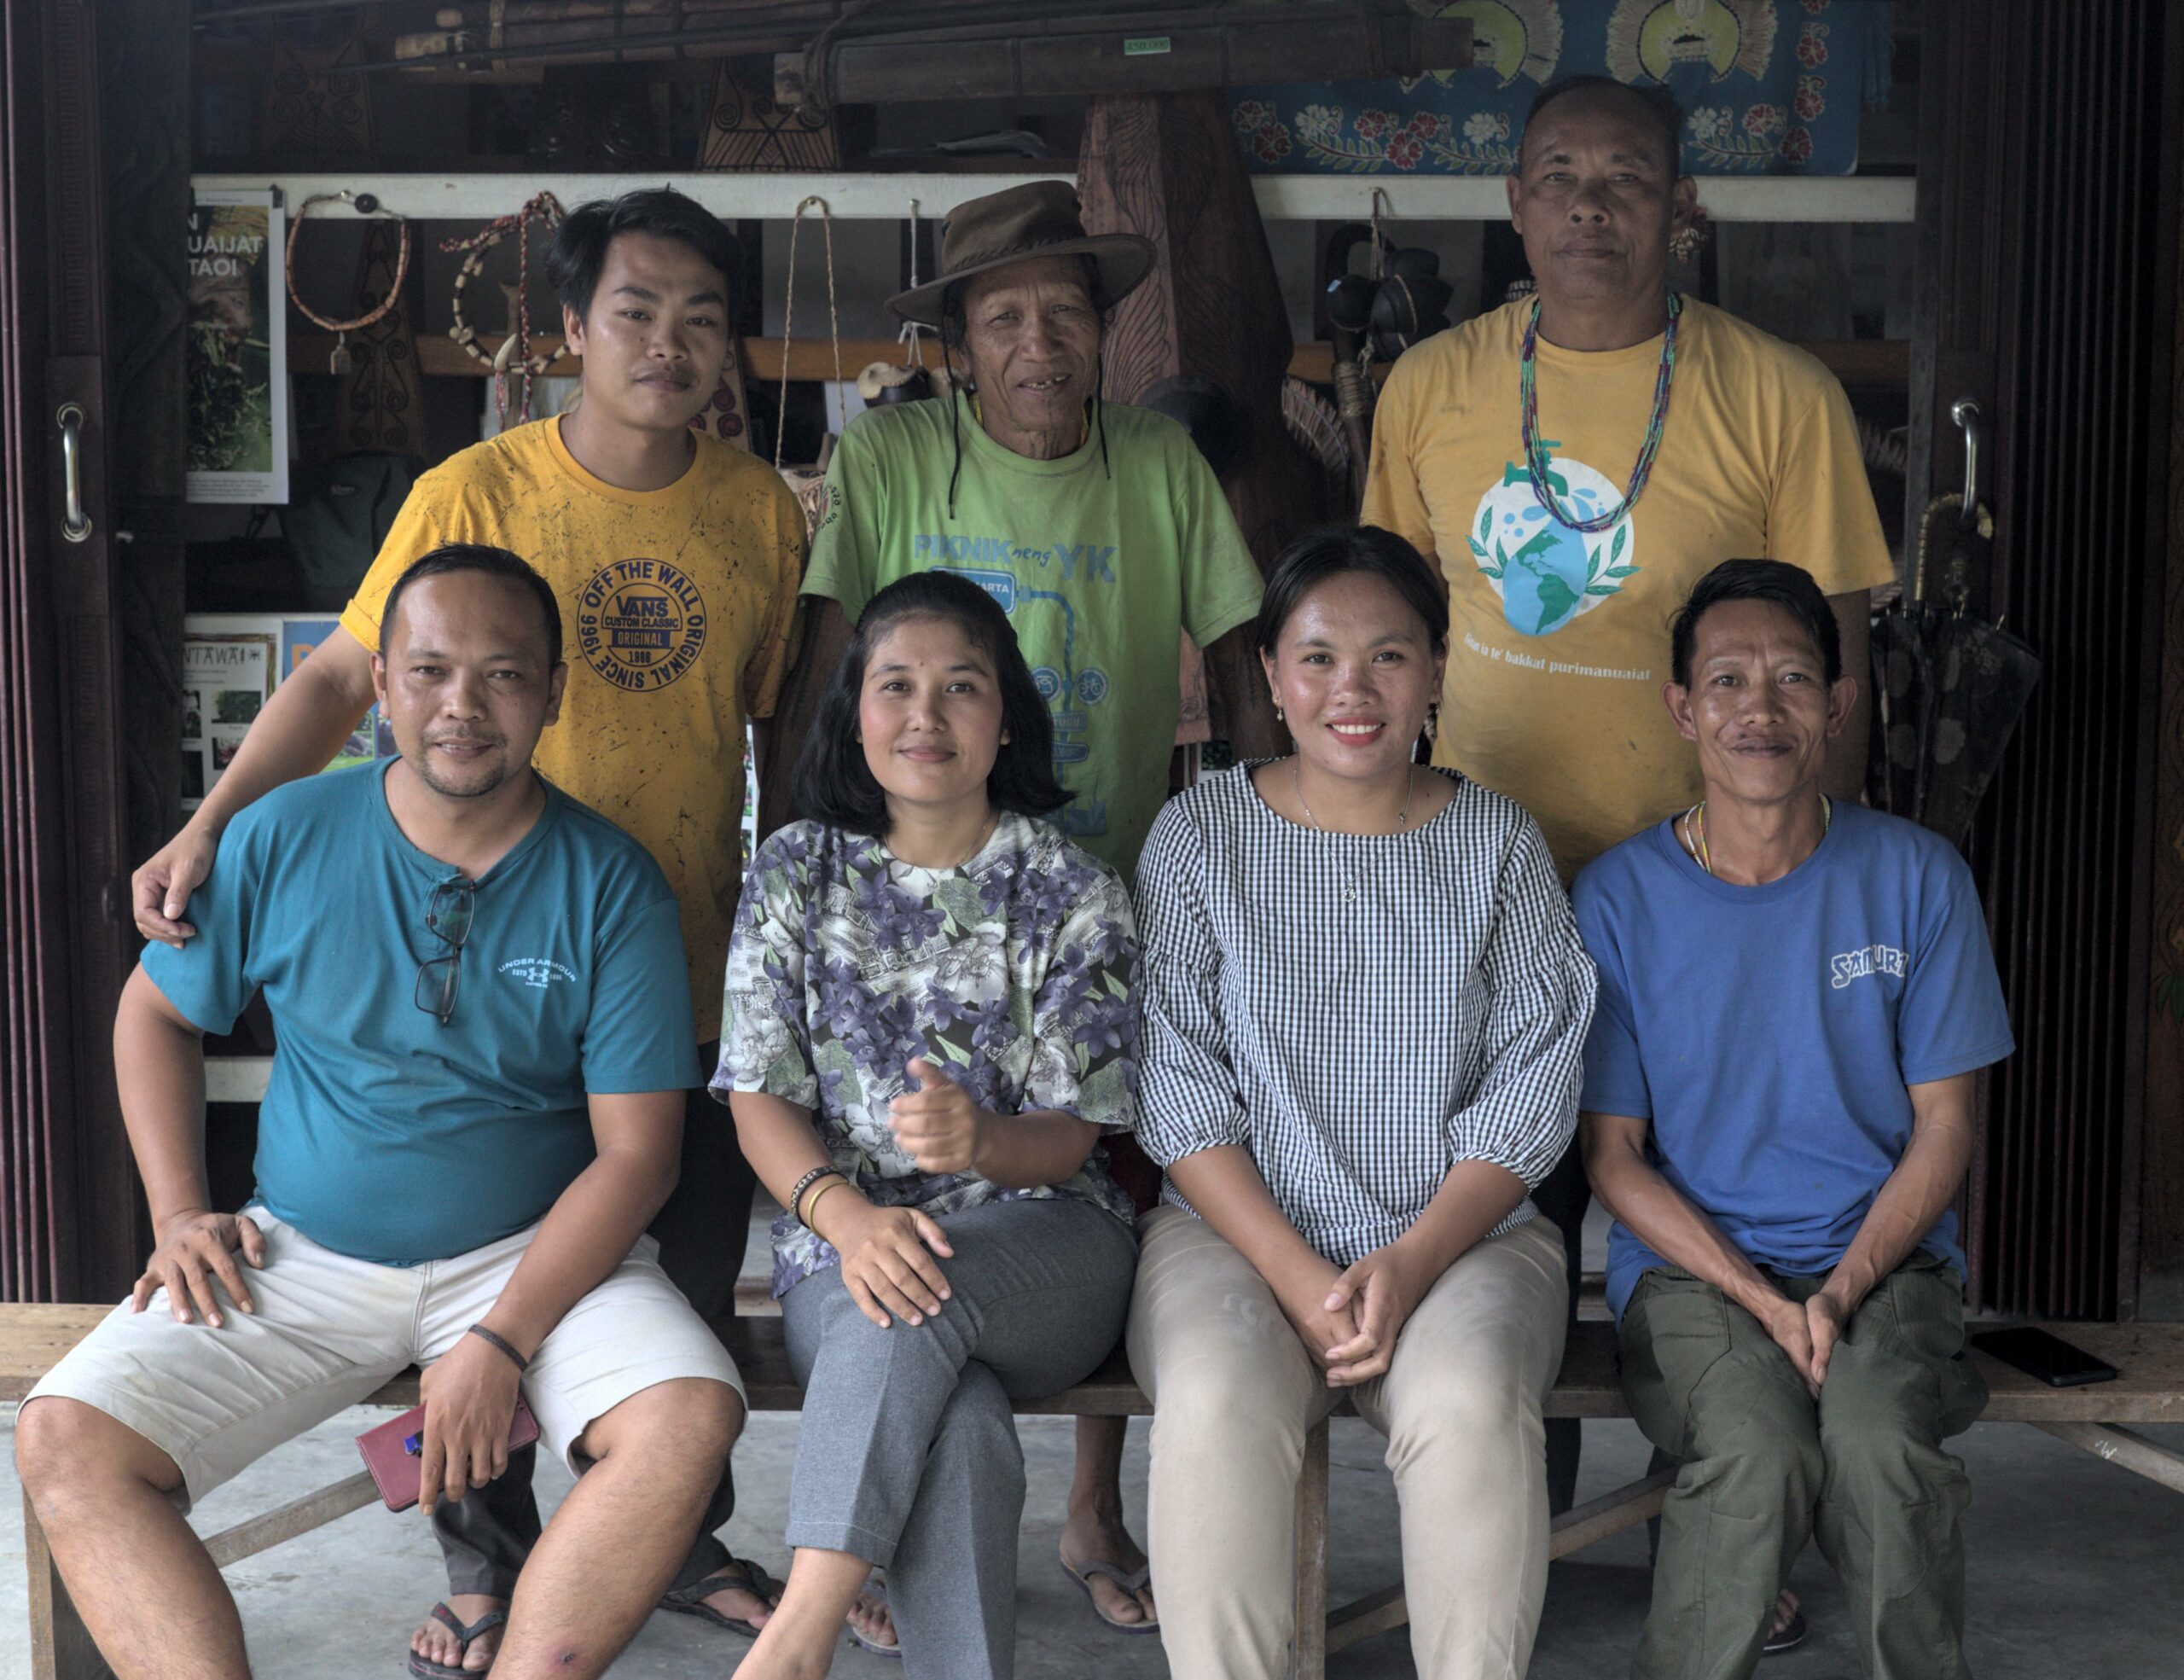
(76, 525)
(1965, 413)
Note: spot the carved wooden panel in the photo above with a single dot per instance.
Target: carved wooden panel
(1165, 165)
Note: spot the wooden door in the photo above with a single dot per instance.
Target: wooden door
(67, 1198)
(2048, 211)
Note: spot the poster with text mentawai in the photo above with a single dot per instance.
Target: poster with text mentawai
(237, 349)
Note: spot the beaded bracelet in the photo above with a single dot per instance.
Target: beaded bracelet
(795, 1195)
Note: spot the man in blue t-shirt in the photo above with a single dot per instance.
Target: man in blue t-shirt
(476, 1108)
(1795, 998)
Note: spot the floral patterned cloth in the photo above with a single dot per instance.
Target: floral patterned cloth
(1768, 87)
(1017, 972)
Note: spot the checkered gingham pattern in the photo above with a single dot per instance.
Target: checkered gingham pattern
(1361, 1012)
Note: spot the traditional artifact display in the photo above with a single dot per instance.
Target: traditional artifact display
(365, 205)
(513, 356)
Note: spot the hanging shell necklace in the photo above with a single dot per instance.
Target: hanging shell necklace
(1537, 463)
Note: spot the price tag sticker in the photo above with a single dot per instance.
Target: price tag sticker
(1145, 46)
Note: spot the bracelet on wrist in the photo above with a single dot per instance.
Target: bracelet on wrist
(795, 1202)
(812, 1212)
(810, 1199)
(501, 1342)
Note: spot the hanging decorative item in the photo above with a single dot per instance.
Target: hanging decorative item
(809, 483)
(747, 131)
(380, 399)
(911, 380)
(317, 100)
(365, 205)
(513, 357)
(724, 416)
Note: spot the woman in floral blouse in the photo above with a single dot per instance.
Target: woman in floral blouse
(928, 1025)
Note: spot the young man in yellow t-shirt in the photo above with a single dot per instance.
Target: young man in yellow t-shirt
(1663, 436)
(676, 560)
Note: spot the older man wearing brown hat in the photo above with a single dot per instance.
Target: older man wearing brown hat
(1102, 531)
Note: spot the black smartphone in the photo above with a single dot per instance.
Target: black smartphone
(2050, 1358)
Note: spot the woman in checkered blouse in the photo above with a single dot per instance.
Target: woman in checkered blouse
(1365, 1006)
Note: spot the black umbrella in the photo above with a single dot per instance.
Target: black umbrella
(1948, 688)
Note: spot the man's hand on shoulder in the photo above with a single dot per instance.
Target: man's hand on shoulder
(470, 1395)
(161, 890)
(194, 1249)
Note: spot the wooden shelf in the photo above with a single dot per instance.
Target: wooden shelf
(886, 195)
(1853, 361)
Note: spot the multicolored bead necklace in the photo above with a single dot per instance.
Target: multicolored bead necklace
(1536, 463)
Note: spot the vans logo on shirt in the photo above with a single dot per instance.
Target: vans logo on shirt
(1857, 965)
(640, 624)
(539, 971)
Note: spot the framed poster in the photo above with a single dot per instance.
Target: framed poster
(237, 349)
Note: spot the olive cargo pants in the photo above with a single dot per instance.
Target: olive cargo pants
(1765, 1465)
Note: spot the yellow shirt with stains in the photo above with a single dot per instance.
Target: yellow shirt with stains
(677, 607)
(1558, 638)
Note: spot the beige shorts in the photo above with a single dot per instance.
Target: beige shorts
(329, 1330)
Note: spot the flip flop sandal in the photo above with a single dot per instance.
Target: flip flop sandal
(690, 1601)
(1790, 1638)
(1129, 1582)
(425, 1669)
(873, 1590)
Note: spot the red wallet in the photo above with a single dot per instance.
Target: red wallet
(394, 1452)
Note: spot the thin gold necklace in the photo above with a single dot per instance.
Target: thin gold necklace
(1402, 816)
(1695, 831)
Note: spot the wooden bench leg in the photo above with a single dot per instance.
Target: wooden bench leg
(1309, 1653)
(2125, 1448)
(60, 1646)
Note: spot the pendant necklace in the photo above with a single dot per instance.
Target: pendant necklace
(1402, 816)
(1537, 464)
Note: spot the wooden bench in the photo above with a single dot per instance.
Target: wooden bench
(2150, 1391)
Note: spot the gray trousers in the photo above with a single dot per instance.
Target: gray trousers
(486, 1536)
(907, 1453)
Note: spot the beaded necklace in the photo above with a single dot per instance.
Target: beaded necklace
(1536, 463)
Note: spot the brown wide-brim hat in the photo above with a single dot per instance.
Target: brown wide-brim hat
(1040, 219)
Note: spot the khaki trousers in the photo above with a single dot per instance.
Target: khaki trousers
(1234, 1393)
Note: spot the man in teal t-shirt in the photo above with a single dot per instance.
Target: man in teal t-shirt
(476, 1108)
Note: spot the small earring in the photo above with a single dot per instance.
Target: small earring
(1278, 717)
(1433, 721)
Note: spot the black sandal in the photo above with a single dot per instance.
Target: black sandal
(690, 1601)
(1789, 1639)
(424, 1668)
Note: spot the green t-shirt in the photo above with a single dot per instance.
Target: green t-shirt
(1102, 567)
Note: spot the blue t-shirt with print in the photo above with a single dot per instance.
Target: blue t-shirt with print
(383, 1134)
(1768, 1033)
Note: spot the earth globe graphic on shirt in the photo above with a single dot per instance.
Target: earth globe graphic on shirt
(1547, 574)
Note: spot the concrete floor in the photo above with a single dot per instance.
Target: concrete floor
(2073, 1567)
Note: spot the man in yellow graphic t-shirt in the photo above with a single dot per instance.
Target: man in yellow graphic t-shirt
(676, 560)
(1576, 464)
